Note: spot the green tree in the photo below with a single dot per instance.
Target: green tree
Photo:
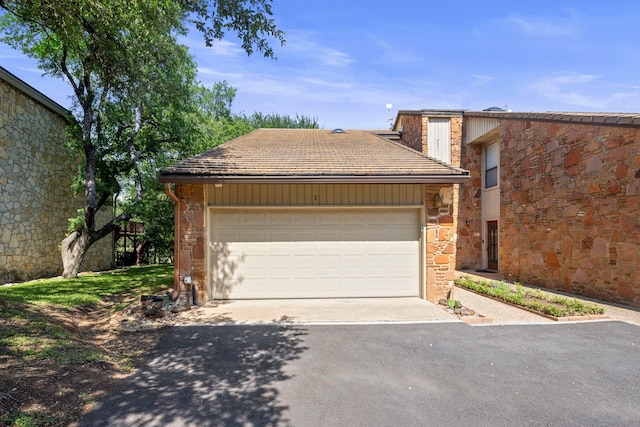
(222, 129)
(128, 75)
(216, 124)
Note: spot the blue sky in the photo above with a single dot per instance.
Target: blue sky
(344, 60)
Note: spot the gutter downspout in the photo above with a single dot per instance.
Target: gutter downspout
(176, 244)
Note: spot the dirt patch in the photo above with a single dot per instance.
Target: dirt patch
(54, 363)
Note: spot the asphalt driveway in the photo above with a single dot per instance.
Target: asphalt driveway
(578, 374)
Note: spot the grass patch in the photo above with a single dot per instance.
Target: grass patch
(32, 419)
(56, 344)
(533, 299)
(90, 288)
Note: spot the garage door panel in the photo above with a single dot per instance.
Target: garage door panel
(303, 218)
(303, 253)
(329, 218)
(278, 218)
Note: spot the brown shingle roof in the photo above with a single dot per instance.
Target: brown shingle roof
(316, 155)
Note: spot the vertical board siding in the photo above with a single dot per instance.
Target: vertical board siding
(476, 127)
(316, 195)
(491, 203)
(440, 139)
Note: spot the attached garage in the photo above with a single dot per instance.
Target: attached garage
(308, 214)
(319, 253)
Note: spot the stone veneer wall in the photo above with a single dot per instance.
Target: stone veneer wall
(192, 239)
(415, 134)
(101, 254)
(412, 131)
(440, 256)
(469, 242)
(442, 223)
(570, 208)
(36, 172)
(441, 242)
(456, 141)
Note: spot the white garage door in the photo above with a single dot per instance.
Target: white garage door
(314, 253)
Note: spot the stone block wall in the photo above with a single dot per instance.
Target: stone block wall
(415, 134)
(193, 240)
(36, 172)
(570, 208)
(456, 141)
(412, 131)
(101, 254)
(469, 242)
(463, 201)
(441, 242)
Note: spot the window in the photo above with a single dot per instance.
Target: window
(491, 155)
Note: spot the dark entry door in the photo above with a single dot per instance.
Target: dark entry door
(492, 245)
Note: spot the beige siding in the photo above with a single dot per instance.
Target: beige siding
(440, 139)
(491, 203)
(477, 127)
(316, 195)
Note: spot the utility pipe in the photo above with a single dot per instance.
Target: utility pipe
(176, 242)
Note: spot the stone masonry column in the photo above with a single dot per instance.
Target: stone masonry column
(441, 242)
(192, 240)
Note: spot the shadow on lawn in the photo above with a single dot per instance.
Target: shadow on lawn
(204, 375)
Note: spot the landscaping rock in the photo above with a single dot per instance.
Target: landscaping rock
(147, 315)
(464, 311)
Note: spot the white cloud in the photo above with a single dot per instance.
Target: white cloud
(326, 83)
(562, 89)
(392, 53)
(303, 46)
(544, 26)
(198, 48)
(479, 79)
(583, 91)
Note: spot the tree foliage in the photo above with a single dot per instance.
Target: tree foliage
(216, 125)
(133, 83)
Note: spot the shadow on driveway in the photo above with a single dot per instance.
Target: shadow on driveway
(439, 374)
(203, 375)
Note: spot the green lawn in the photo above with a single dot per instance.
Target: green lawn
(90, 288)
(52, 363)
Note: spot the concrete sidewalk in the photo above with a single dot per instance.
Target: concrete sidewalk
(374, 310)
(505, 314)
(318, 311)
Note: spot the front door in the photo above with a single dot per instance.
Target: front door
(492, 245)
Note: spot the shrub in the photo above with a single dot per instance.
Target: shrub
(534, 299)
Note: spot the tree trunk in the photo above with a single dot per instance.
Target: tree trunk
(74, 248)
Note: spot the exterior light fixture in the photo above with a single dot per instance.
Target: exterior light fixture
(437, 200)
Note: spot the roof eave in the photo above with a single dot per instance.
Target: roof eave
(314, 179)
(35, 94)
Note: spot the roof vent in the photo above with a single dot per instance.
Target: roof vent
(494, 109)
(338, 130)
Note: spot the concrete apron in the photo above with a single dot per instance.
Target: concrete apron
(317, 311)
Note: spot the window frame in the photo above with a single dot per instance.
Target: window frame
(492, 171)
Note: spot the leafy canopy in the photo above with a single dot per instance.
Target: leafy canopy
(135, 95)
